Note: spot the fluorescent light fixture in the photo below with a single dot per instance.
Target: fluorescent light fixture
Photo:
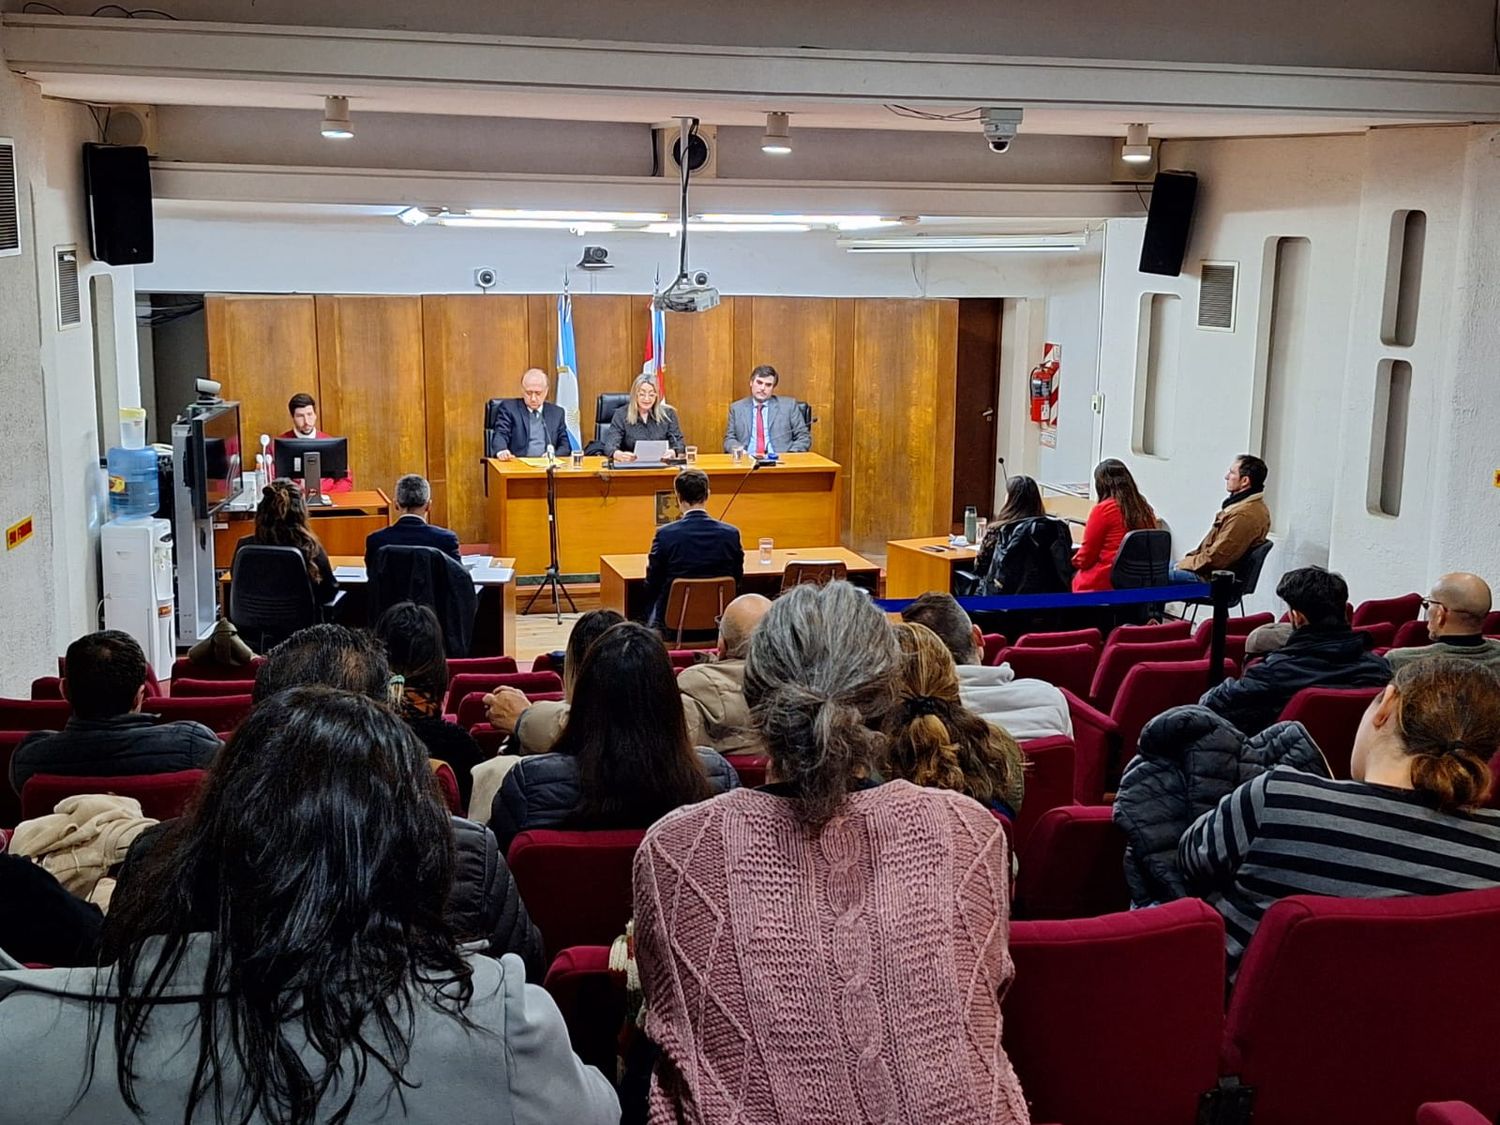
(777, 139)
(573, 225)
(727, 228)
(967, 244)
(570, 216)
(416, 216)
(1137, 146)
(336, 125)
(842, 222)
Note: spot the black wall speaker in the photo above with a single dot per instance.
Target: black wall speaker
(117, 179)
(1168, 223)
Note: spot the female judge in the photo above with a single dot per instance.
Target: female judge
(644, 418)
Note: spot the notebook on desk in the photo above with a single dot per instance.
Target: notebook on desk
(648, 455)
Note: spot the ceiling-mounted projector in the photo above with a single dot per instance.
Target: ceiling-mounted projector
(688, 294)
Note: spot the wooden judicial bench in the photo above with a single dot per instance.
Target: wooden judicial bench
(341, 526)
(622, 578)
(602, 511)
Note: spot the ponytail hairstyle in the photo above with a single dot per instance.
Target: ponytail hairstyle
(819, 677)
(281, 521)
(1448, 719)
(1112, 481)
(934, 739)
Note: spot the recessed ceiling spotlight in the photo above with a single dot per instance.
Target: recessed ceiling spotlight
(336, 126)
(777, 139)
(1137, 146)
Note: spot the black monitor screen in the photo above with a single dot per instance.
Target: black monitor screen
(290, 452)
(216, 477)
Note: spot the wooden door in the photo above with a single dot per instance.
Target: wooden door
(976, 399)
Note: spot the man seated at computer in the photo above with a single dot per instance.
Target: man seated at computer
(304, 412)
(526, 426)
(413, 497)
(644, 418)
(765, 423)
(694, 546)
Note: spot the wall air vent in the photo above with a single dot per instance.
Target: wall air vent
(10, 201)
(1217, 283)
(68, 304)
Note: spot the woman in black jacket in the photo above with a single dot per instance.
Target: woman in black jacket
(1026, 551)
(646, 417)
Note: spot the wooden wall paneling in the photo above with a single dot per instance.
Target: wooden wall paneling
(541, 335)
(842, 428)
(796, 336)
(371, 371)
(601, 335)
(264, 349)
(475, 348)
(700, 372)
(904, 359)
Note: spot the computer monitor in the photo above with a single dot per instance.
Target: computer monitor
(290, 452)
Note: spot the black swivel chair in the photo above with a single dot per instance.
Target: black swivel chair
(1144, 560)
(271, 595)
(605, 410)
(428, 577)
(491, 424)
(805, 408)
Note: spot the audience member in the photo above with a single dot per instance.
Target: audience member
(646, 417)
(713, 693)
(1456, 610)
(413, 642)
(1120, 510)
(43, 923)
(895, 1017)
(624, 758)
(328, 655)
(1322, 651)
(694, 546)
(281, 521)
(936, 741)
(1407, 822)
(1242, 522)
(1025, 551)
(413, 499)
(536, 726)
(1025, 709)
(107, 735)
(288, 958)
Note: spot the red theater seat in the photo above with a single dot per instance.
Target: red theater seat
(1091, 637)
(1049, 781)
(185, 669)
(1064, 666)
(1072, 865)
(197, 689)
(750, 767)
(1148, 690)
(34, 714)
(592, 1002)
(481, 665)
(1361, 1010)
(1412, 635)
(684, 657)
(1096, 741)
(993, 644)
(1450, 1113)
(469, 683)
(576, 885)
(1118, 659)
(1151, 634)
(1394, 612)
(162, 795)
(447, 782)
(216, 712)
(1331, 716)
(46, 687)
(1117, 1020)
(546, 662)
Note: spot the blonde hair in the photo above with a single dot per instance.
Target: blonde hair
(1448, 719)
(658, 408)
(934, 740)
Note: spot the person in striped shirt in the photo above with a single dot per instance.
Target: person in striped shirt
(1407, 824)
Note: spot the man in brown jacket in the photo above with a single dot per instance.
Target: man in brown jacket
(713, 694)
(1242, 522)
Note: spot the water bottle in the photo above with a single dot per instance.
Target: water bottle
(133, 489)
(971, 524)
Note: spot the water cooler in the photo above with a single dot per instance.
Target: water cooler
(138, 586)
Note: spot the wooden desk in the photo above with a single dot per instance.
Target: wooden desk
(912, 568)
(341, 527)
(601, 511)
(622, 578)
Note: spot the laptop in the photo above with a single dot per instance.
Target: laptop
(648, 455)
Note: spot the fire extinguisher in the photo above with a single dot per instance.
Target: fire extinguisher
(1043, 382)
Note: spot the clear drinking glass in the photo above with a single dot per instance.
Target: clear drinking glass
(577, 458)
(692, 455)
(981, 525)
(767, 545)
(738, 454)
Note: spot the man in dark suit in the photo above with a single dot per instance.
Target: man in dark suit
(411, 529)
(529, 424)
(695, 546)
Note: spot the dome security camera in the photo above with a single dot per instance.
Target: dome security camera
(485, 277)
(1000, 126)
(700, 278)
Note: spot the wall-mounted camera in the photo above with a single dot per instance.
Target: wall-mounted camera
(1000, 126)
(485, 277)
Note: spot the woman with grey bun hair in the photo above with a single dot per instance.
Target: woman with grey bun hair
(852, 933)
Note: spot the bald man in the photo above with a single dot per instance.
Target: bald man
(526, 426)
(1456, 610)
(713, 694)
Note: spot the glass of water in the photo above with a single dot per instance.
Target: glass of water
(767, 545)
(577, 458)
(738, 454)
(692, 455)
(981, 525)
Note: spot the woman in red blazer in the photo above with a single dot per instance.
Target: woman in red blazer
(1121, 508)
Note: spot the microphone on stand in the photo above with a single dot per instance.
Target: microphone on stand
(753, 466)
(551, 457)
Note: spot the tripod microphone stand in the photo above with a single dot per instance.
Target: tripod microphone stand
(553, 578)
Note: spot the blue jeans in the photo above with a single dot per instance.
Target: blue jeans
(1179, 575)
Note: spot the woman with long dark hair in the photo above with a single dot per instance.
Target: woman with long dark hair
(287, 959)
(1120, 509)
(413, 640)
(624, 758)
(1025, 551)
(281, 521)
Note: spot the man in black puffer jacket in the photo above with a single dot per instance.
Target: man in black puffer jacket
(1190, 758)
(1323, 651)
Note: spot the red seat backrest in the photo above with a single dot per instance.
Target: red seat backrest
(183, 668)
(592, 1002)
(1413, 634)
(993, 644)
(1331, 716)
(1065, 666)
(1071, 637)
(1049, 781)
(483, 665)
(1363, 1009)
(216, 712)
(1116, 1020)
(162, 795)
(1151, 688)
(447, 782)
(1118, 659)
(1383, 633)
(34, 714)
(197, 689)
(46, 687)
(1096, 742)
(489, 739)
(10, 800)
(1450, 1113)
(576, 885)
(1150, 634)
(750, 767)
(545, 662)
(1233, 627)
(1072, 865)
(467, 683)
(1388, 611)
(684, 657)
(1491, 625)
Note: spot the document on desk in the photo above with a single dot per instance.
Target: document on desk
(349, 573)
(493, 575)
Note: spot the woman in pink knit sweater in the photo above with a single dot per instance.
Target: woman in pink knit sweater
(824, 948)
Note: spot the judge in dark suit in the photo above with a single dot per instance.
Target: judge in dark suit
(695, 546)
(411, 529)
(529, 424)
(765, 423)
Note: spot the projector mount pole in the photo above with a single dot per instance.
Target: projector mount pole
(553, 578)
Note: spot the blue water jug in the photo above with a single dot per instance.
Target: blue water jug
(133, 489)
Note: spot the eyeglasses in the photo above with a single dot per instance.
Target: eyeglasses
(1428, 603)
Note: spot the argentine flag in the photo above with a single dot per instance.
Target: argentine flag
(567, 368)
